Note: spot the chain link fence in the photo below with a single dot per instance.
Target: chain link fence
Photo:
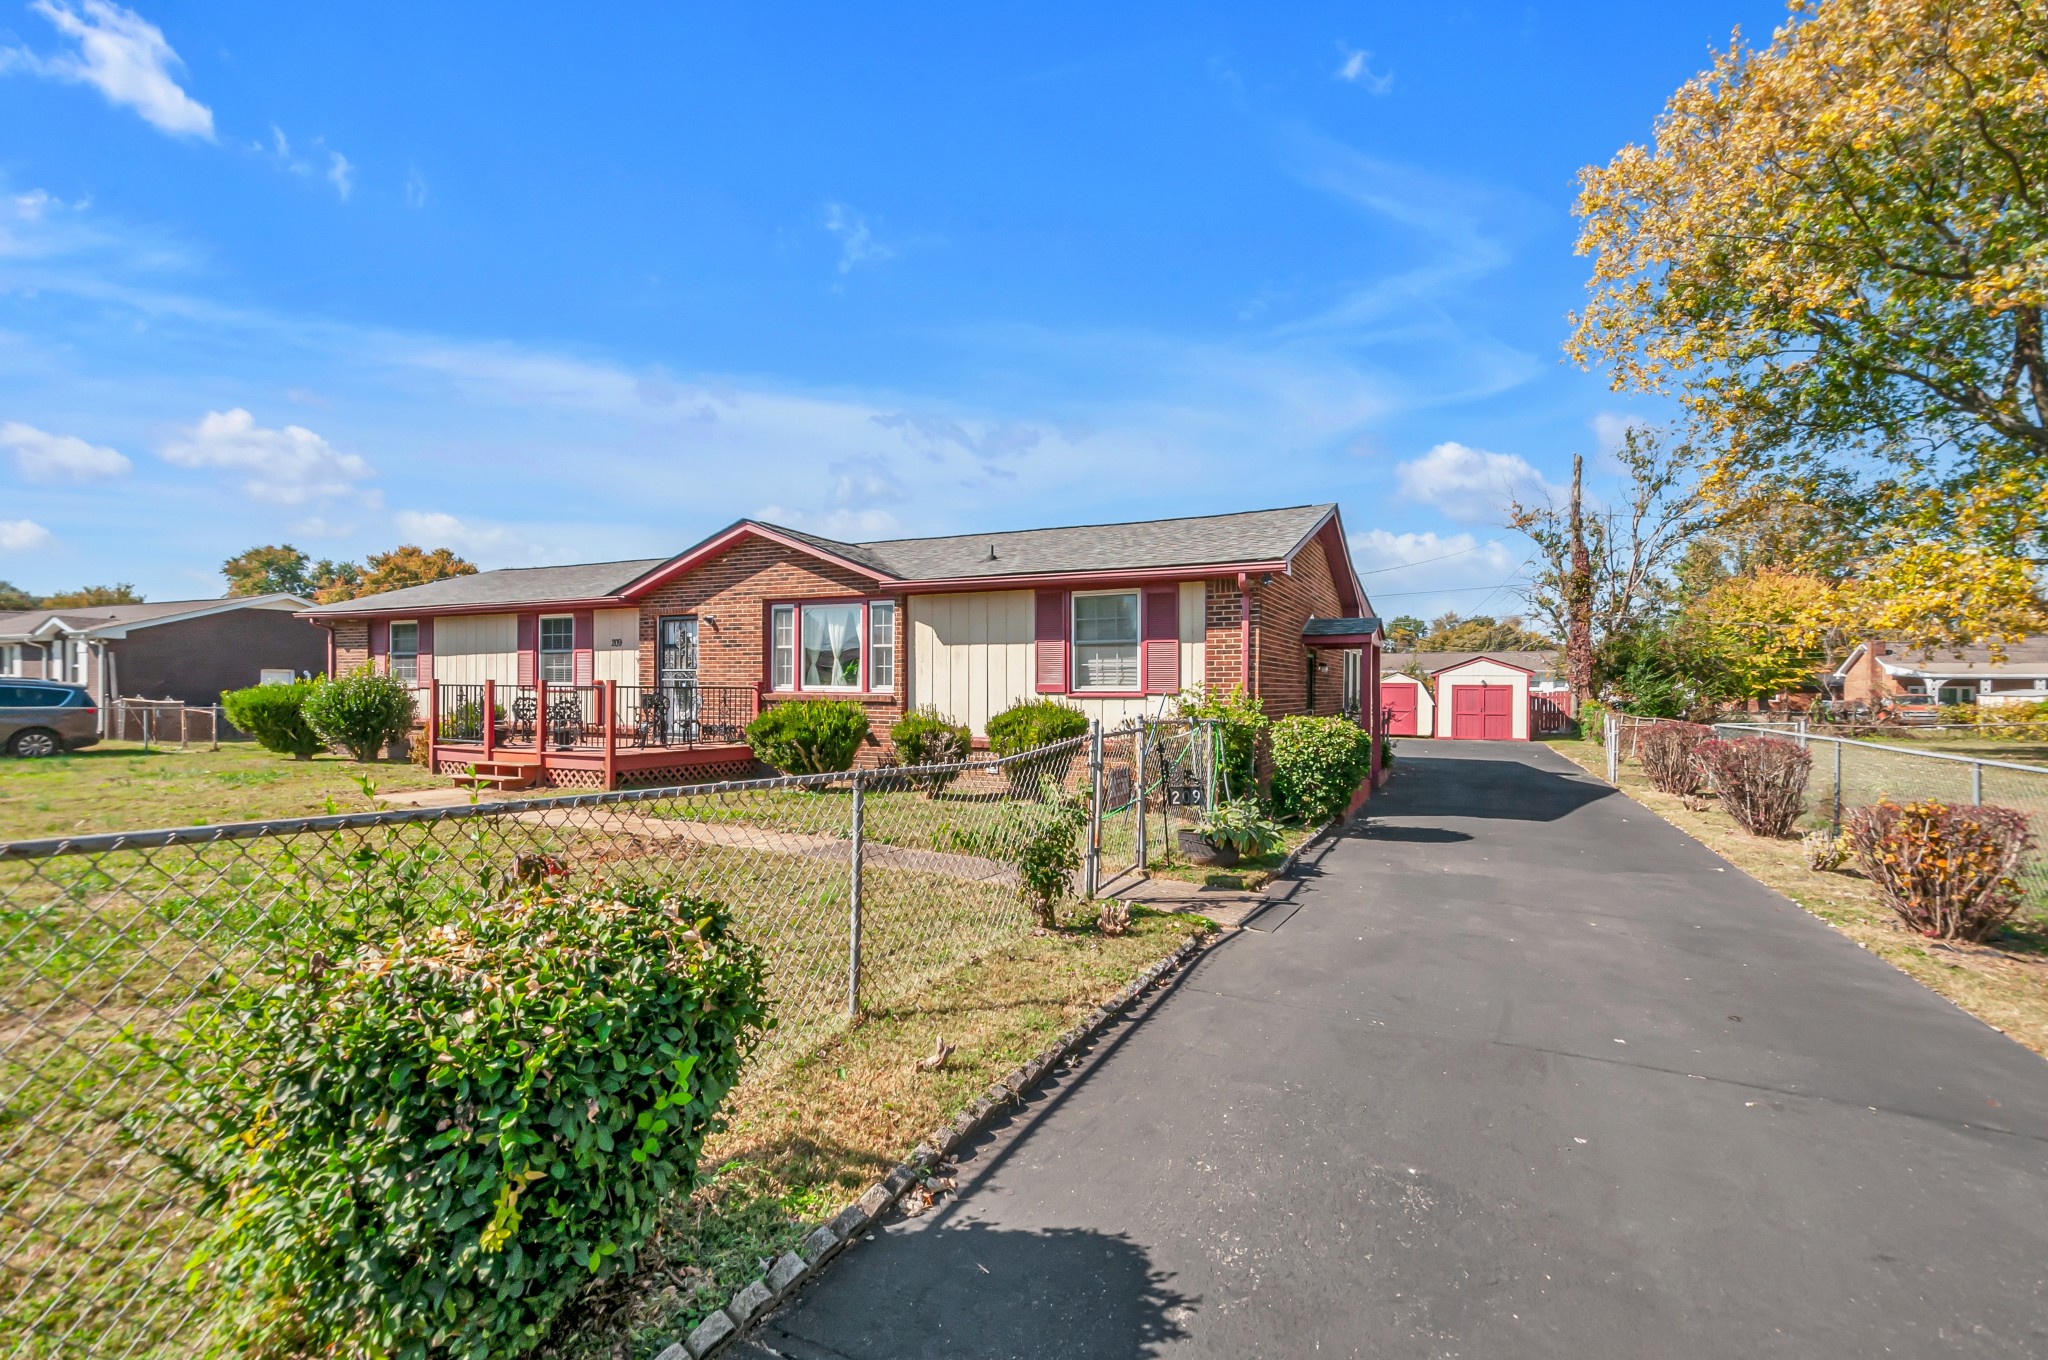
(1849, 773)
(166, 722)
(858, 887)
(1157, 777)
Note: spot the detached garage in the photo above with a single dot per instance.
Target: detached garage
(1409, 706)
(1483, 700)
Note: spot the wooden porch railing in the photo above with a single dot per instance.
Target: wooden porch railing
(602, 718)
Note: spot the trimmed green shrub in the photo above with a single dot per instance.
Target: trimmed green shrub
(1318, 763)
(1947, 872)
(275, 716)
(427, 1149)
(1241, 722)
(923, 737)
(361, 712)
(1031, 723)
(809, 736)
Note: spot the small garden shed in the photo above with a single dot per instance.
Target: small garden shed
(1409, 706)
(1484, 699)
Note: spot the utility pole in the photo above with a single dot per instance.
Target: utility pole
(1578, 594)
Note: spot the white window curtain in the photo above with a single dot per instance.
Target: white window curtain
(831, 646)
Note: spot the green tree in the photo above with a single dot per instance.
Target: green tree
(1483, 633)
(335, 581)
(1832, 258)
(14, 599)
(409, 565)
(274, 569)
(87, 596)
(1404, 632)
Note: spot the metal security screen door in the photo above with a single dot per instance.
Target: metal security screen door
(675, 661)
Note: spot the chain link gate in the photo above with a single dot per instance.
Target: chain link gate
(1156, 779)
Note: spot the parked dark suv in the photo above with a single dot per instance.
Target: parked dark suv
(42, 717)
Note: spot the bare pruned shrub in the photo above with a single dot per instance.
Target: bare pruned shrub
(1668, 752)
(1761, 781)
(1948, 872)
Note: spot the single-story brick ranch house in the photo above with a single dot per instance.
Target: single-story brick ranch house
(1873, 672)
(647, 671)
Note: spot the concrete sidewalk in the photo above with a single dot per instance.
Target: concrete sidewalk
(1524, 1072)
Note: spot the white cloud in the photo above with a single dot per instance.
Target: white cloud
(857, 244)
(45, 457)
(415, 188)
(291, 466)
(23, 535)
(124, 57)
(1424, 574)
(340, 174)
(1356, 71)
(29, 207)
(1469, 484)
(438, 529)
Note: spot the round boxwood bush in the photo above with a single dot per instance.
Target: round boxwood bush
(809, 736)
(924, 737)
(1031, 723)
(275, 716)
(427, 1149)
(1318, 764)
(362, 712)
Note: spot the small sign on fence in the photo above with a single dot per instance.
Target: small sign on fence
(1184, 791)
(1116, 785)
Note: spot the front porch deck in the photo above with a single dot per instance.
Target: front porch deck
(601, 736)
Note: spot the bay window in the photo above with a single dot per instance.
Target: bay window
(558, 649)
(1106, 641)
(846, 645)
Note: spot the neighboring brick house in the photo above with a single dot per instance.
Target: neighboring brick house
(1876, 671)
(188, 650)
(1115, 619)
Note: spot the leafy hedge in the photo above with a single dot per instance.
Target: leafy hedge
(924, 737)
(1670, 756)
(809, 736)
(275, 716)
(361, 712)
(1032, 723)
(1947, 872)
(1241, 722)
(1761, 781)
(427, 1149)
(1318, 763)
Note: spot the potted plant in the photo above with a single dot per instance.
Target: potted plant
(1231, 831)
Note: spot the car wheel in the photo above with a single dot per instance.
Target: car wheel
(35, 743)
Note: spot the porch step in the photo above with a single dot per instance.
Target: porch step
(498, 774)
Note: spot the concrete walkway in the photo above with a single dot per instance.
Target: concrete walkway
(1520, 1071)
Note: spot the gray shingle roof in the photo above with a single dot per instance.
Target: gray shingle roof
(1250, 536)
(1340, 627)
(2023, 660)
(1247, 536)
(1544, 664)
(507, 585)
(86, 617)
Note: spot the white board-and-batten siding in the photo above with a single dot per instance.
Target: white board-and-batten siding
(615, 646)
(971, 656)
(472, 648)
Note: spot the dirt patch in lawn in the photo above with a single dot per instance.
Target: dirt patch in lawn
(2004, 984)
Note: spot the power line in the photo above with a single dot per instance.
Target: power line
(1423, 562)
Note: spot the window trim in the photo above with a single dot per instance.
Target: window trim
(541, 653)
(1074, 645)
(873, 650)
(391, 652)
(794, 608)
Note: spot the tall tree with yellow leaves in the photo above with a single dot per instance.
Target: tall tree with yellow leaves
(1833, 257)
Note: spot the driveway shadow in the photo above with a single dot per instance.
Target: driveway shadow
(1505, 786)
(969, 1291)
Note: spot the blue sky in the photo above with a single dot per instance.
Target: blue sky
(589, 282)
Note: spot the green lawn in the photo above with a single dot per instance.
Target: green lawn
(1971, 744)
(117, 786)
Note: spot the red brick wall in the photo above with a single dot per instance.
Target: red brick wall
(1222, 645)
(351, 645)
(1866, 681)
(1279, 659)
(730, 594)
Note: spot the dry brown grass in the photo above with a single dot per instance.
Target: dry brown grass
(2004, 984)
(807, 1138)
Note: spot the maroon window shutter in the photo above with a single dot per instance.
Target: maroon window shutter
(1162, 641)
(1051, 637)
(585, 624)
(426, 658)
(529, 638)
(380, 645)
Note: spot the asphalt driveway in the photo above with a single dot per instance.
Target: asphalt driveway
(1519, 1070)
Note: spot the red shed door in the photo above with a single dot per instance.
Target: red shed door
(1399, 702)
(1483, 712)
